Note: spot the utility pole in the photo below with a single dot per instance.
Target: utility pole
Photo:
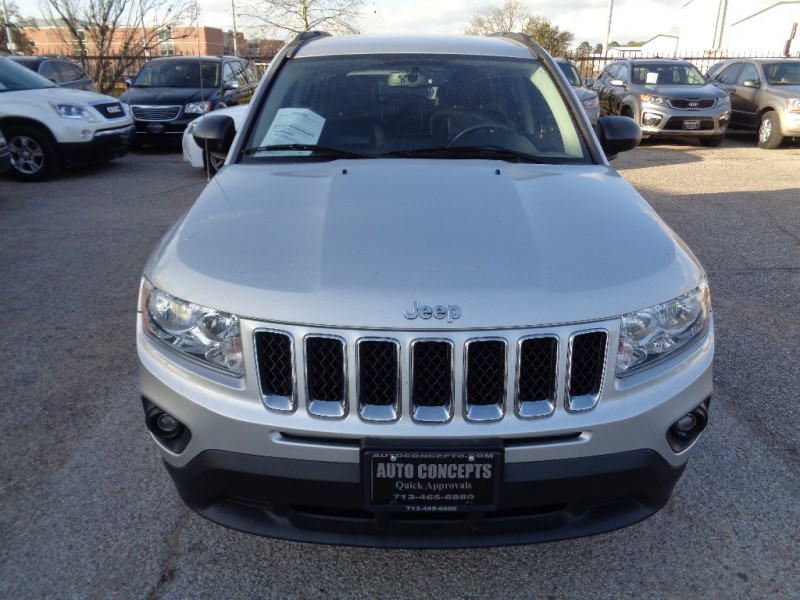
(235, 35)
(608, 30)
(9, 40)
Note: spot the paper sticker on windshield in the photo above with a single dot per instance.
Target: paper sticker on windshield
(652, 78)
(294, 126)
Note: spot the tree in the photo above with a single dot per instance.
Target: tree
(511, 16)
(583, 49)
(548, 36)
(515, 15)
(294, 16)
(110, 36)
(598, 49)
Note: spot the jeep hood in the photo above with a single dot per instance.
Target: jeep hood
(357, 242)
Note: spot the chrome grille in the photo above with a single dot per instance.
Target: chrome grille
(692, 103)
(155, 113)
(492, 375)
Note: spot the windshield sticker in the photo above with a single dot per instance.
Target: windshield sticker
(652, 78)
(294, 126)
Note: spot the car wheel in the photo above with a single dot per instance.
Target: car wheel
(214, 164)
(711, 142)
(769, 132)
(33, 155)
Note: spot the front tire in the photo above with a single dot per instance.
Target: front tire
(711, 142)
(33, 154)
(769, 132)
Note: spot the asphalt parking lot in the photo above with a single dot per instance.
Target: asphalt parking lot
(87, 510)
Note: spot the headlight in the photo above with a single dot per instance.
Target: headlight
(649, 335)
(197, 108)
(656, 100)
(793, 104)
(725, 102)
(206, 336)
(72, 111)
(590, 102)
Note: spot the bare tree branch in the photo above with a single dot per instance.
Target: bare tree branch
(289, 17)
(115, 33)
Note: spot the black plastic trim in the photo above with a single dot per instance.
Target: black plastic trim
(313, 501)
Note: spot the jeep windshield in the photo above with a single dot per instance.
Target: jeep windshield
(178, 74)
(415, 106)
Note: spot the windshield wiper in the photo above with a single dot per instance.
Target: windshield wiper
(464, 152)
(317, 150)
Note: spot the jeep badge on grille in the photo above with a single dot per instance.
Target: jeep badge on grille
(451, 312)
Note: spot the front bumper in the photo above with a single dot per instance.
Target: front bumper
(106, 144)
(161, 132)
(656, 121)
(320, 502)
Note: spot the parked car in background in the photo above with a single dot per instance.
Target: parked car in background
(588, 97)
(404, 313)
(48, 127)
(765, 96)
(5, 155)
(169, 92)
(198, 156)
(64, 72)
(667, 97)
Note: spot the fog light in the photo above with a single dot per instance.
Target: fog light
(651, 119)
(167, 423)
(686, 429)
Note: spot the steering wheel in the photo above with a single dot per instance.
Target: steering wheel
(490, 127)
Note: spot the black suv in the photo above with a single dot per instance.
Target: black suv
(64, 72)
(169, 92)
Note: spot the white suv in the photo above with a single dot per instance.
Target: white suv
(418, 308)
(48, 127)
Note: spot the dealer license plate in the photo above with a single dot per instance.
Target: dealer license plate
(691, 124)
(432, 481)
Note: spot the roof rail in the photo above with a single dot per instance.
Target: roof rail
(522, 39)
(301, 38)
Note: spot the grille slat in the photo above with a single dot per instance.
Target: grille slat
(432, 380)
(379, 380)
(155, 113)
(325, 376)
(484, 380)
(587, 366)
(276, 369)
(536, 376)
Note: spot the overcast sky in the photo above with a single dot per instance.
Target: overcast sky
(637, 20)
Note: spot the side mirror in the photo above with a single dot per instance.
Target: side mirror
(215, 133)
(617, 83)
(231, 85)
(128, 83)
(751, 83)
(617, 134)
(588, 82)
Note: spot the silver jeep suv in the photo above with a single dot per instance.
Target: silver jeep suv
(403, 313)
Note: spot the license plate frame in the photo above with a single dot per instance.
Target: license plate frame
(692, 124)
(425, 481)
